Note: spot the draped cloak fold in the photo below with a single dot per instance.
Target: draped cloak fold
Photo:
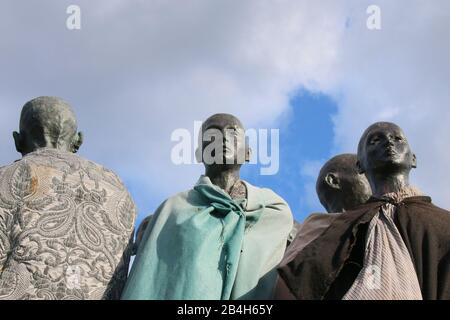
(327, 267)
(202, 244)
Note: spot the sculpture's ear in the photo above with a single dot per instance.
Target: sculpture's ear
(198, 155)
(414, 161)
(18, 141)
(332, 180)
(359, 167)
(77, 142)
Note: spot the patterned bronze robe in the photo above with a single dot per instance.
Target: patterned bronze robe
(66, 226)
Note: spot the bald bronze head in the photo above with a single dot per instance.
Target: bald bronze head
(222, 142)
(47, 122)
(340, 187)
(385, 156)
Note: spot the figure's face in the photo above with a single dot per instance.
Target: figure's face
(386, 147)
(353, 188)
(340, 187)
(223, 141)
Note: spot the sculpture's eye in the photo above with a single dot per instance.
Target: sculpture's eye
(398, 138)
(232, 131)
(374, 140)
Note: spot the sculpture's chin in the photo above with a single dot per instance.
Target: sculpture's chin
(392, 165)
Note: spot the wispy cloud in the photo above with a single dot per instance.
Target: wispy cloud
(138, 70)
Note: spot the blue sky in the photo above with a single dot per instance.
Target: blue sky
(306, 141)
(137, 70)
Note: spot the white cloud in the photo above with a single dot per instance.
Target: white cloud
(400, 74)
(138, 70)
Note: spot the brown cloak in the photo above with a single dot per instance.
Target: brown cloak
(327, 267)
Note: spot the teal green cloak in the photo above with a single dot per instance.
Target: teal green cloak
(201, 244)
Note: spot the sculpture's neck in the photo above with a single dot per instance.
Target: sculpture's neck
(45, 141)
(336, 206)
(225, 179)
(382, 184)
(45, 148)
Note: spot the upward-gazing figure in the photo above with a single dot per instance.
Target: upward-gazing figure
(396, 246)
(65, 222)
(220, 240)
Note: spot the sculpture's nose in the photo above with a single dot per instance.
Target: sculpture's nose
(390, 140)
(227, 140)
